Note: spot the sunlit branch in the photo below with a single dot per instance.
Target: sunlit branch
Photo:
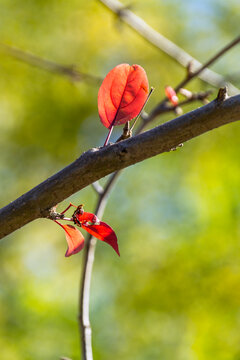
(194, 73)
(190, 75)
(69, 71)
(98, 188)
(167, 46)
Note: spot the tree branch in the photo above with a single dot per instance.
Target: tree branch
(99, 162)
(167, 46)
(48, 65)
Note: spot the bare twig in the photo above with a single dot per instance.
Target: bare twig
(162, 43)
(98, 188)
(193, 74)
(84, 293)
(165, 106)
(190, 75)
(69, 71)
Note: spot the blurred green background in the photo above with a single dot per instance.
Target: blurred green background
(175, 291)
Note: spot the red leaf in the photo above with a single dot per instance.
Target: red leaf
(171, 95)
(103, 232)
(122, 94)
(74, 239)
(86, 216)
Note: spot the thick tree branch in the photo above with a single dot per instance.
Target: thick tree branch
(97, 163)
(162, 43)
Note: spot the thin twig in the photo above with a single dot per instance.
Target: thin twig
(48, 65)
(190, 75)
(84, 294)
(162, 43)
(164, 106)
(213, 59)
(98, 188)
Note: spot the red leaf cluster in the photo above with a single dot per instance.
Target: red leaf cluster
(92, 225)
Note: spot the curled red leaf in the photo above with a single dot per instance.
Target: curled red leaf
(103, 232)
(86, 216)
(91, 224)
(171, 95)
(95, 227)
(74, 239)
(122, 94)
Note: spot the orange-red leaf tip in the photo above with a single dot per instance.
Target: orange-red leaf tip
(103, 232)
(74, 239)
(122, 94)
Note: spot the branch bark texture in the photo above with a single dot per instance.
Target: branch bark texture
(99, 162)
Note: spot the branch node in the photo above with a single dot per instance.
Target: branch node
(178, 110)
(127, 132)
(187, 93)
(205, 101)
(176, 147)
(54, 215)
(189, 69)
(120, 11)
(123, 153)
(222, 94)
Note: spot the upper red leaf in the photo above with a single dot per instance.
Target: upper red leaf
(74, 239)
(171, 95)
(103, 232)
(122, 94)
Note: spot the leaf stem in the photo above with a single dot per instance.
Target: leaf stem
(109, 134)
(69, 206)
(134, 123)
